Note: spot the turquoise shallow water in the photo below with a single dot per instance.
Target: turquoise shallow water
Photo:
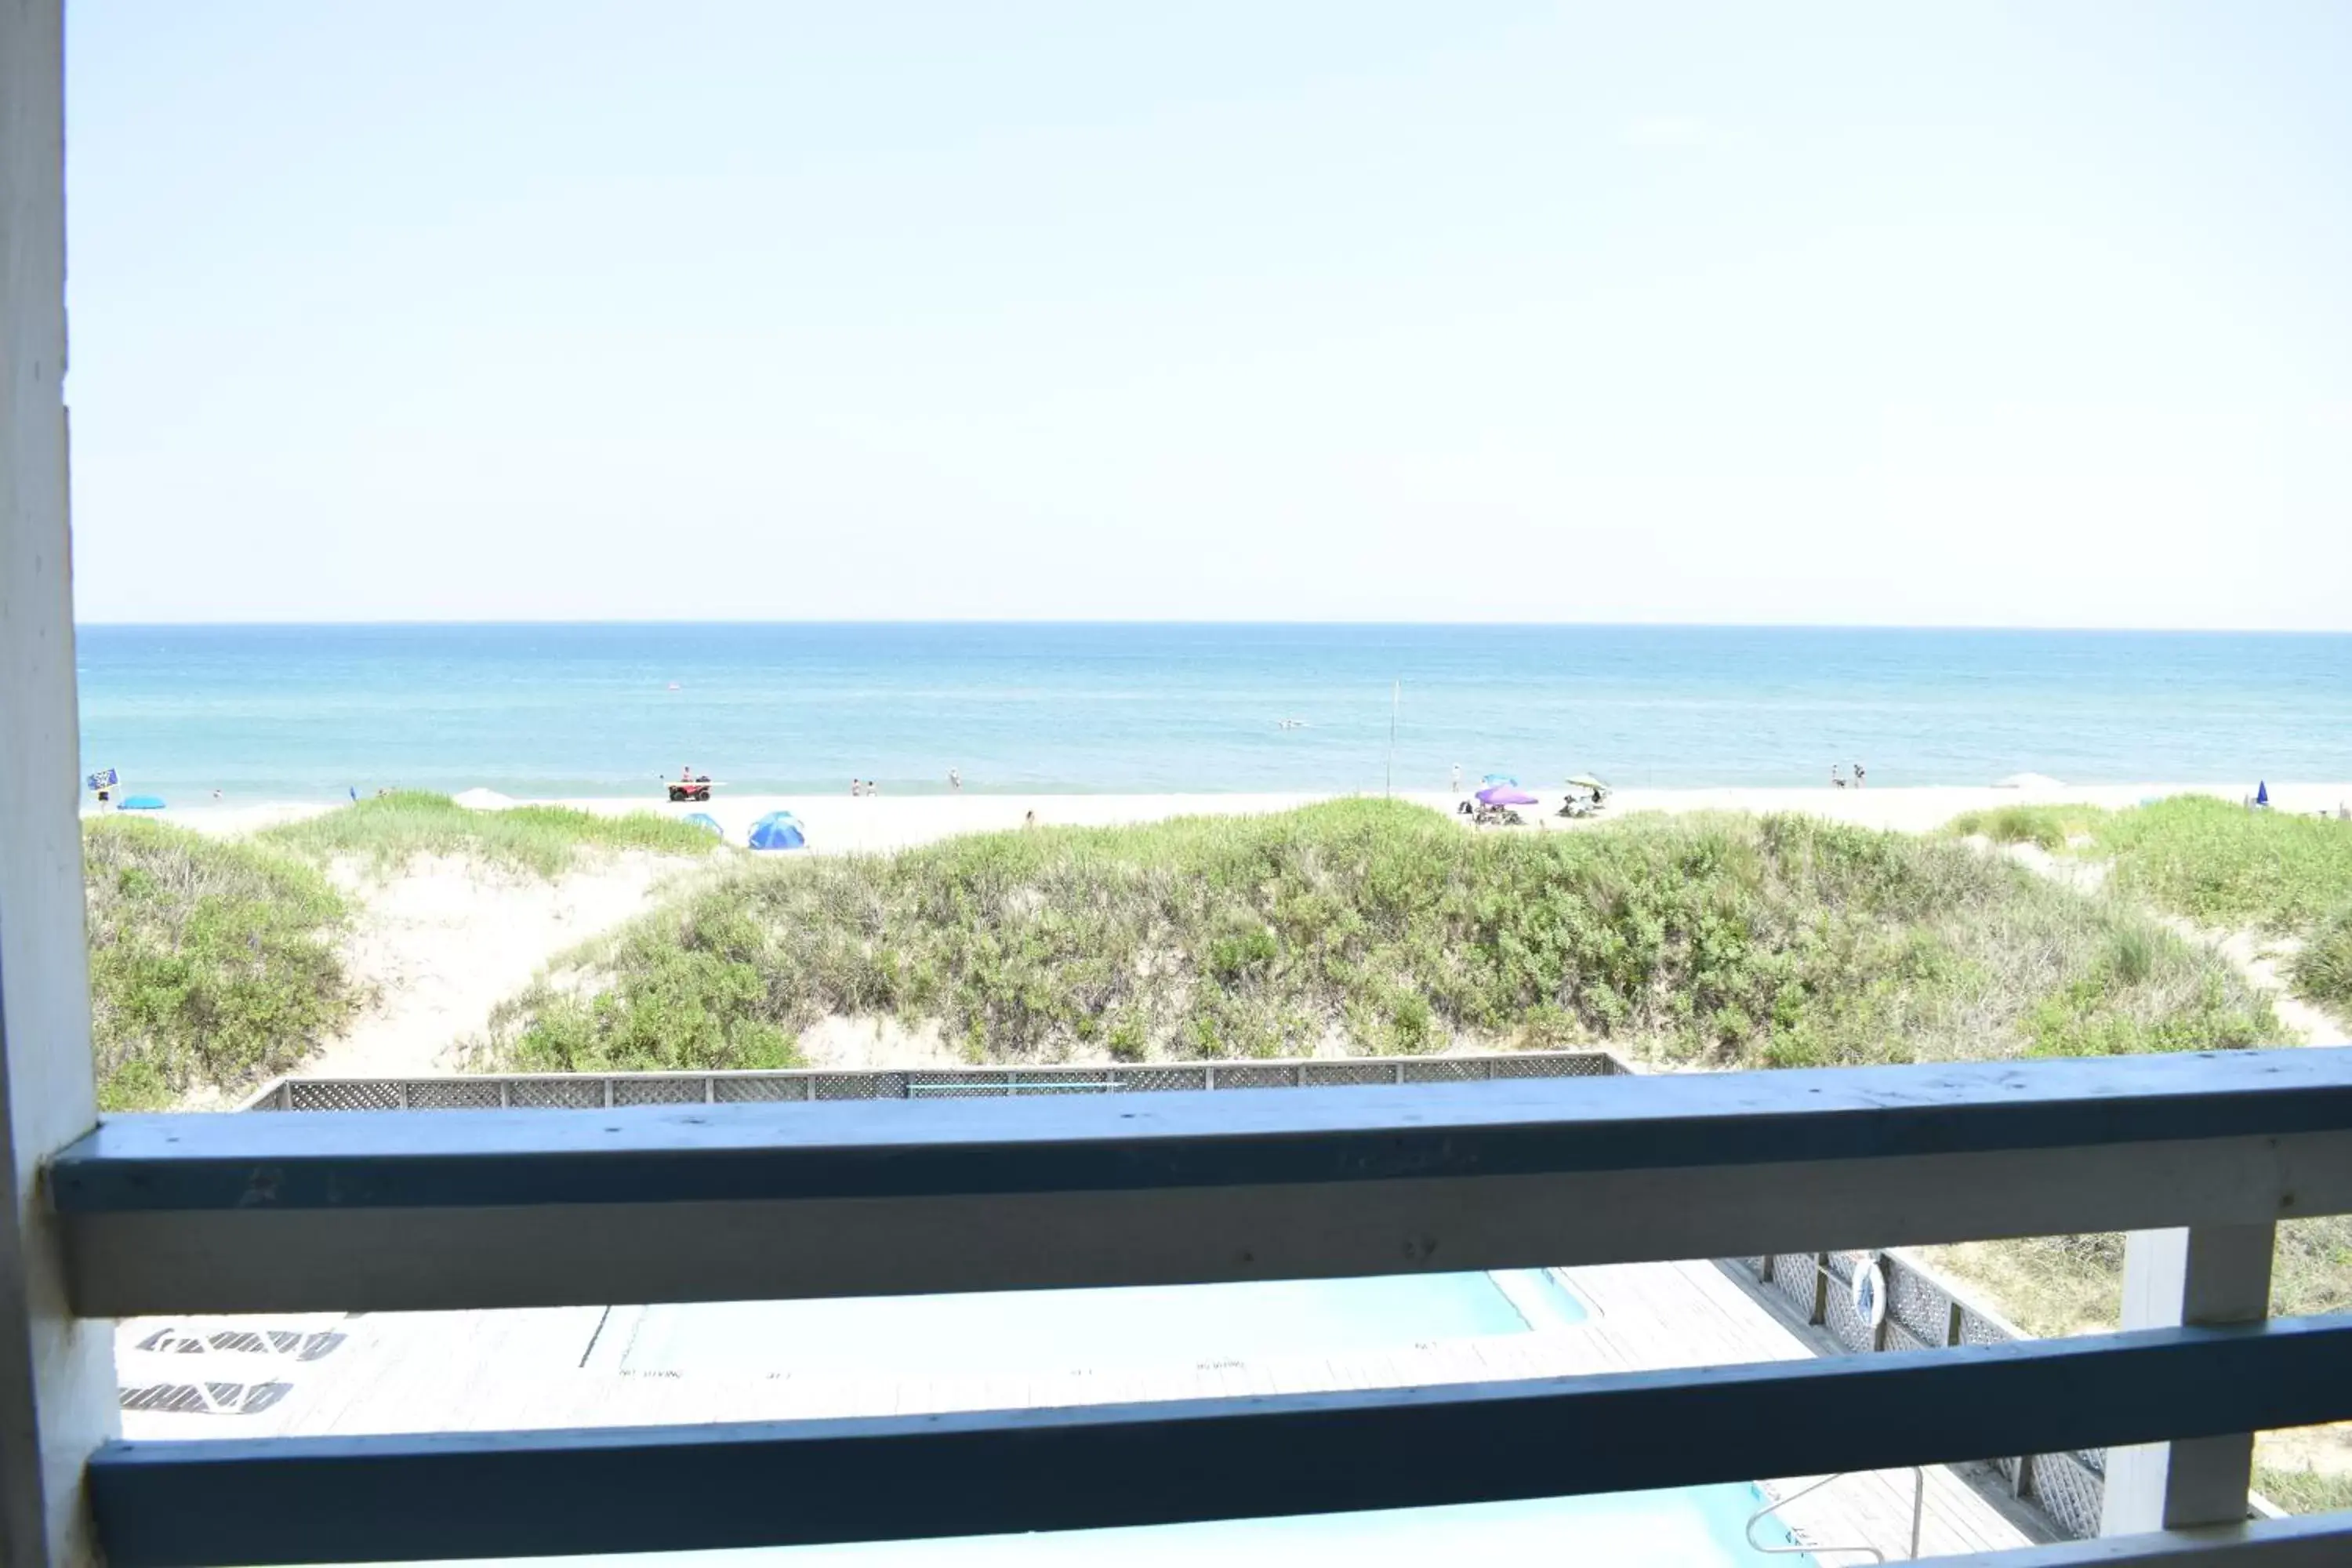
(296, 712)
(1053, 1331)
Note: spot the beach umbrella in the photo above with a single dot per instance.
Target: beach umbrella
(1584, 781)
(704, 819)
(1505, 794)
(1499, 779)
(2262, 794)
(777, 830)
(140, 803)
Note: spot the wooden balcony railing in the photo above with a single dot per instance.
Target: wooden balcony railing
(383, 1210)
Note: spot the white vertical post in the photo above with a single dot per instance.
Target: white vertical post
(2209, 1275)
(56, 1374)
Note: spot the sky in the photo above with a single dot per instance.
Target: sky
(1961, 314)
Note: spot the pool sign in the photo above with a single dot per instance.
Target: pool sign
(1870, 1293)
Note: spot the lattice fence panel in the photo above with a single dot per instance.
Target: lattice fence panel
(454, 1094)
(557, 1093)
(1592, 1065)
(757, 1088)
(1916, 1306)
(1977, 1330)
(1159, 1079)
(328, 1095)
(1794, 1275)
(683, 1090)
(1243, 1075)
(1332, 1075)
(2069, 1493)
(861, 1086)
(1852, 1330)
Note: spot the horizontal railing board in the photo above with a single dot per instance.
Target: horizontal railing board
(2316, 1541)
(256, 1257)
(346, 1161)
(285, 1500)
(123, 1265)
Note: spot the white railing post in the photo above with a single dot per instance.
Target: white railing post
(2208, 1277)
(56, 1374)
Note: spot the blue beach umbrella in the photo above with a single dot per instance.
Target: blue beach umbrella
(1500, 779)
(140, 803)
(778, 830)
(704, 819)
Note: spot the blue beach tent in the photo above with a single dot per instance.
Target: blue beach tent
(704, 819)
(2263, 793)
(778, 830)
(140, 803)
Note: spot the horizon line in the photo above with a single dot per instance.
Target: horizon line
(977, 621)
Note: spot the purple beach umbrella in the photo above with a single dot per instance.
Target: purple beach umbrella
(1505, 794)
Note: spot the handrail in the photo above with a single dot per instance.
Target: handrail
(288, 1501)
(410, 1210)
(1773, 1505)
(419, 1212)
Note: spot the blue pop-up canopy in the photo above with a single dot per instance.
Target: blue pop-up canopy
(778, 830)
(704, 819)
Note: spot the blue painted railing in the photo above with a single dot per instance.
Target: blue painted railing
(481, 1209)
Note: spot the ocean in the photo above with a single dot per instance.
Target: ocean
(297, 712)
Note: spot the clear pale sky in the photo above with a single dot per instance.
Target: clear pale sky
(2033, 314)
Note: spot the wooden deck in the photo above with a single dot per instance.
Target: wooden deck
(565, 1367)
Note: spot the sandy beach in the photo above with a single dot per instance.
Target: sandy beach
(845, 824)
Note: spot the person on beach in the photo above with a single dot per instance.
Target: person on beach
(1837, 779)
(1457, 778)
(1029, 820)
(955, 779)
(1857, 775)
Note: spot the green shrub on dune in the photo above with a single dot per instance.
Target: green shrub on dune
(1384, 927)
(390, 830)
(2217, 863)
(2224, 865)
(212, 964)
(2049, 826)
(2323, 970)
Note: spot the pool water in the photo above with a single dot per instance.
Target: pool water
(1067, 1331)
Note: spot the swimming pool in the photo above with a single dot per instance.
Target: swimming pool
(1124, 1329)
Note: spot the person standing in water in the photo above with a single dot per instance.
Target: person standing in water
(955, 779)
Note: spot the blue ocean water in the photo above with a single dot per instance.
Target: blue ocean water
(294, 712)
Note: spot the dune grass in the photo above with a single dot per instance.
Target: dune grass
(2223, 865)
(2051, 827)
(2299, 1489)
(2053, 1285)
(388, 831)
(1376, 926)
(2218, 864)
(212, 964)
(2321, 970)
